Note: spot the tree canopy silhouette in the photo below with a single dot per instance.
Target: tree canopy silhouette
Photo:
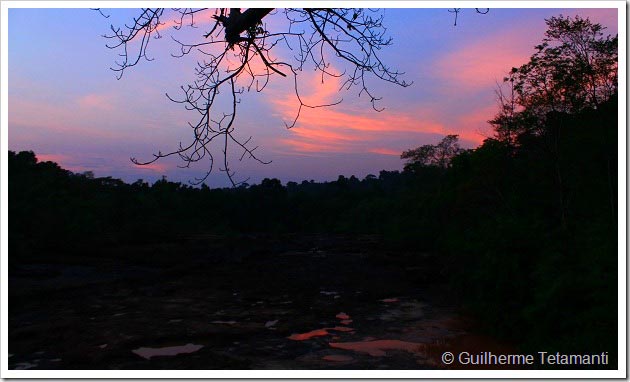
(439, 155)
(575, 67)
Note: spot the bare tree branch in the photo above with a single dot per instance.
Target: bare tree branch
(236, 50)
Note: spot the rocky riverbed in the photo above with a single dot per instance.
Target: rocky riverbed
(318, 303)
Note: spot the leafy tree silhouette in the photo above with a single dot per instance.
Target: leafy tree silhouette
(573, 69)
(439, 155)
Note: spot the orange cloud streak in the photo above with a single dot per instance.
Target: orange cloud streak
(302, 146)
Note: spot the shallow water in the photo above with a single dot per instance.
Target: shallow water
(25, 365)
(223, 322)
(308, 335)
(378, 348)
(148, 353)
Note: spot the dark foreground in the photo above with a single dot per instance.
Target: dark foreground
(290, 303)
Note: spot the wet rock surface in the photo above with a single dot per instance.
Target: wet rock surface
(340, 306)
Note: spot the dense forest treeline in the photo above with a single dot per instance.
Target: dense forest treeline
(524, 227)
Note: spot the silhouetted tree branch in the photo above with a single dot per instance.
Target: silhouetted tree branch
(237, 50)
(456, 11)
(237, 55)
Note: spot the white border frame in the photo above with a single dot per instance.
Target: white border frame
(364, 374)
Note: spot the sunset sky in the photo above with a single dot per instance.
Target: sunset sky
(66, 105)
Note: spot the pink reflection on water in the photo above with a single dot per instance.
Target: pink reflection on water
(342, 329)
(377, 348)
(389, 300)
(308, 335)
(345, 320)
(318, 333)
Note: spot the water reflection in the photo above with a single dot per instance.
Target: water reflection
(342, 329)
(223, 322)
(377, 348)
(345, 320)
(318, 333)
(309, 335)
(148, 353)
(25, 365)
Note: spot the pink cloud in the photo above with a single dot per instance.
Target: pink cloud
(474, 126)
(57, 158)
(347, 130)
(324, 90)
(315, 134)
(478, 66)
(483, 63)
(315, 146)
(363, 118)
(67, 162)
(313, 91)
(324, 129)
(96, 101)
(370, 121)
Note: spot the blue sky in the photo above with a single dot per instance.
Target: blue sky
(67, 106)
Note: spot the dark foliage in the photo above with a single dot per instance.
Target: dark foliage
(54, 209)
(538, 269)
